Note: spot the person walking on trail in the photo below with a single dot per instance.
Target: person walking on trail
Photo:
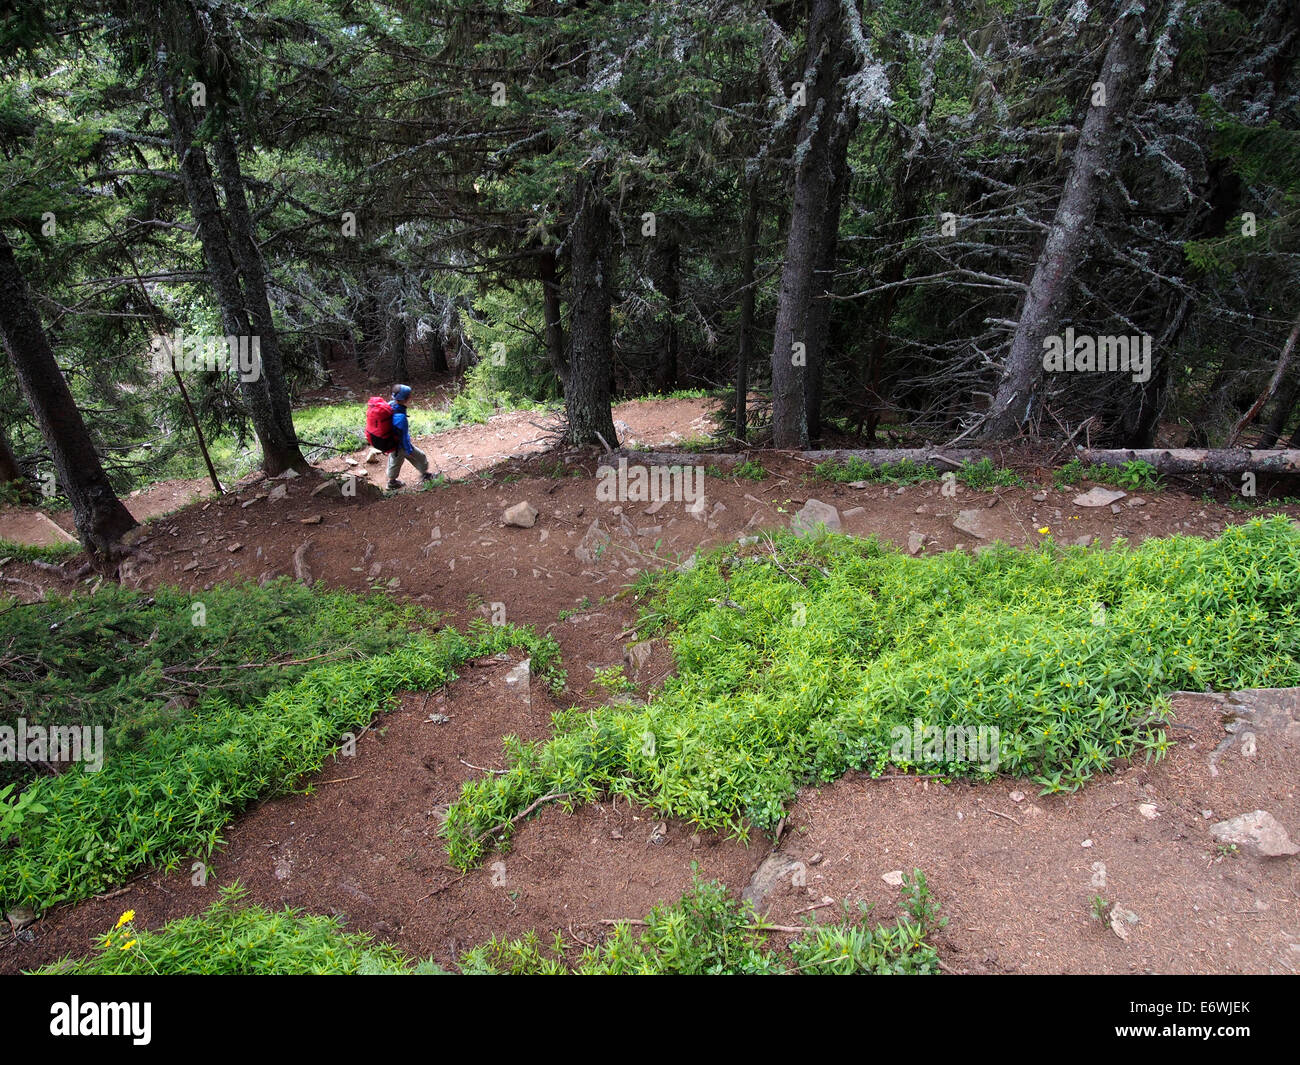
(389, 431)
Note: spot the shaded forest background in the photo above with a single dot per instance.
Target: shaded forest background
(852, 222)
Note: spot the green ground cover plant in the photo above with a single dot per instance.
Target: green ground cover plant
(977, 475)
(797, 658)
(707, 931)
(179, 775)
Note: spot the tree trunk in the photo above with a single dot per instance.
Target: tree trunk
(100, 517)
(745, 344)
(591, 352)
(10, 473)
(814, 181)
(670, 286)
(819, 315)
(554, 323)
(1284, 360)
(1067, 241)
(227, 247)
(280, 440)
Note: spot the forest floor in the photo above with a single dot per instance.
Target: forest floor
(1014, 872)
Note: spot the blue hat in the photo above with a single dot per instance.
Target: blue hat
(401, 393)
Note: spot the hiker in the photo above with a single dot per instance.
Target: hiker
(389, 431)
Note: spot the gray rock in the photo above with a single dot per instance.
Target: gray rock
(1099, 497)
(813, 514)
(280, 491)
(1040, 497)
(330, 489)
(915, 542)
(522, 515)
(593, 544)
(638, 655)
(777, 869)
(976, 522)
(1257, 833)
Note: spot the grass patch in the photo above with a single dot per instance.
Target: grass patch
(795, 666)
(977, 475)
(233, 938)
(175, 776)
(27, 553)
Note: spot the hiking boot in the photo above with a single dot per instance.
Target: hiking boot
(427, 476)
(393, 486)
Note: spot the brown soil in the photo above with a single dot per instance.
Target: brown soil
(1017, 891)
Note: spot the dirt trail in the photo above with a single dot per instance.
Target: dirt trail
(456, 452)
(1014, 875)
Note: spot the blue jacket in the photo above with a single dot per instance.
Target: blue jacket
(401, 426)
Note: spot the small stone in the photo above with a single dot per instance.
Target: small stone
(924, 508)
(522, 515)
(893, 878)
(813, 514)
(189, 566)
(288, 475)
(234, 547)
(976, 522)
(615, 834)
(1040, 497)
(437, 719)
(638, 655)
(1098, 875)
(1148, 810)
(1099, 497)
(854, 512)
(1017, 796)
(327, 489)
(20, 917)
(1136, 501)
(1258, 833)
(1249, 746)
(1086, 844)
(698, 509)
(315, 519)
(277, 493)
(1115, 508)
(815, 859)
(915, 542)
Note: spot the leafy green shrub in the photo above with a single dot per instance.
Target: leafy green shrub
(1132, 475)
(797, 667)
(235, 939)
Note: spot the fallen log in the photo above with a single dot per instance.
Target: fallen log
(1228, 461)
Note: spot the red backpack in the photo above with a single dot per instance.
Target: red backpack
(379, 425)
